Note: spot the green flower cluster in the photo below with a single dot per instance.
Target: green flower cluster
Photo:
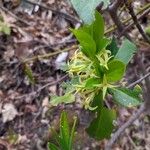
(89, 84)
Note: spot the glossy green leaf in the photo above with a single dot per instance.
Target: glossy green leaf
(102, 44)
(88, 29)
(87, 43)
(98, 102)
(98, 28)
(126, 52)
(96, 31)
(91, 82)
(113, 47)
(67, 98)
(52, 146)
(126, 97)
(102, 126)
(64, 131)
(116, 70)
(86, 8)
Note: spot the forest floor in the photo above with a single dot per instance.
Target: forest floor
(25, 115)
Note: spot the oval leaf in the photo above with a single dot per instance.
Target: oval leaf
(88, 45)
(126, 52)
(102, 126)
(116, 70)
(91, 82)
(98, 28)
(126, 97)
(67, 98)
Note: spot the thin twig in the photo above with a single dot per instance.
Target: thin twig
(124, 126)
(112, 9)
(43, 87)
(66, 16)
(14, 16)
(53, 83)
(142, 10)
(130, 25)
(49, 54)
(131, 11)
(131, 141)
(146, 94)
(138, 81)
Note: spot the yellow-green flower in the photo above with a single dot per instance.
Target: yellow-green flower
(84, 69)
(104, 57)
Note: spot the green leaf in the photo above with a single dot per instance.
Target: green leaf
(64, 131)
(91, 82)
(88, 45)
(116, 71)
(72, 133)
(74, 80)
(113, 47)
(65, 138)
(29, 74)
(52, 146)
(102, 44)
(86, 8)
(98, 28)
(88, 29)
(98, 102)
(68, 86)
(96, 31)
(126, 52)
(67, 98)
(126, 97)
(102, 126)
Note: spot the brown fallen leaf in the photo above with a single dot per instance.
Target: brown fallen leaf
(9, 112)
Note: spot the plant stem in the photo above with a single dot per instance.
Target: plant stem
(50, 54)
